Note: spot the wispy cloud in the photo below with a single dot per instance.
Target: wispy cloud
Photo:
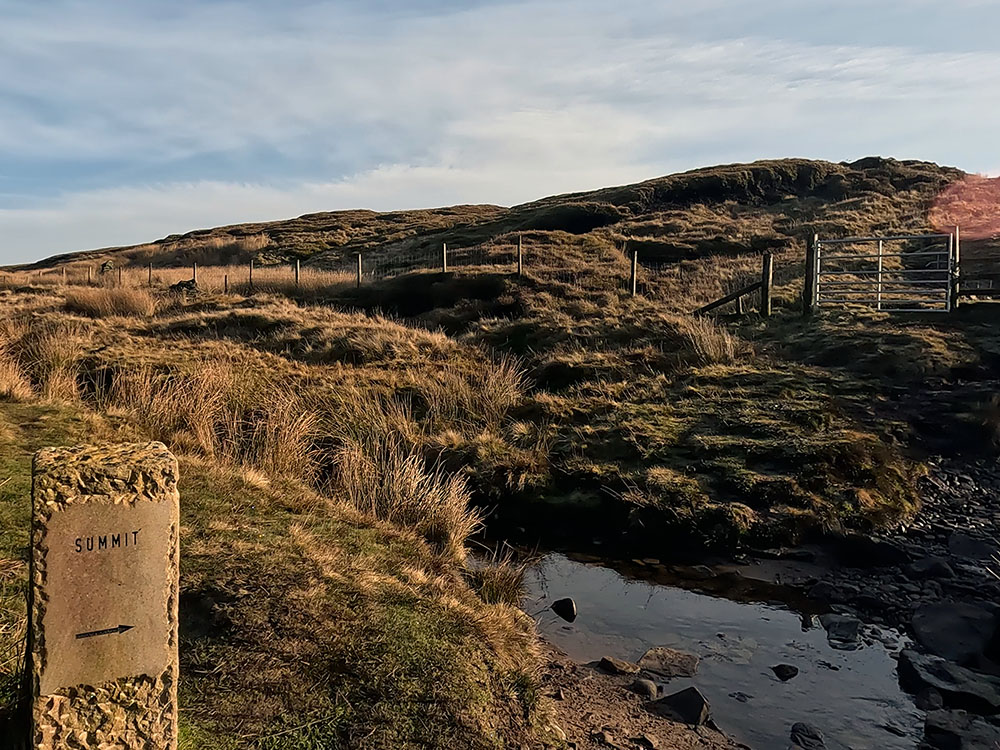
(148, 120)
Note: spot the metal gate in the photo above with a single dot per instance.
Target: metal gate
(905, 273)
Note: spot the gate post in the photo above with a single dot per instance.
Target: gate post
(809, 287)
(955, 263)
(878, 283)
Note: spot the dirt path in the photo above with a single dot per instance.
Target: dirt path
(598, 711)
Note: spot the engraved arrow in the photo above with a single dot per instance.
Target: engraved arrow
(106, 631)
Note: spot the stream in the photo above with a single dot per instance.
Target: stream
(852, 696)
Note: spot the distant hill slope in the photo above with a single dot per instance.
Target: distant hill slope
(728, 210)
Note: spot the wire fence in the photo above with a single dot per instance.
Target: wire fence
(603, 268)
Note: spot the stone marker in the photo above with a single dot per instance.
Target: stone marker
(104, 591)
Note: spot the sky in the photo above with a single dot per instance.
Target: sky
(122, 121)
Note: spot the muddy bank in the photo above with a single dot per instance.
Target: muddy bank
(595, 710)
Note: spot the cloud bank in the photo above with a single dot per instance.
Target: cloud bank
(121, 122)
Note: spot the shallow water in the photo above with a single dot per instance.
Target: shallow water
(851, 696)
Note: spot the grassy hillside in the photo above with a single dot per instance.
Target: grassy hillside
(344, 444)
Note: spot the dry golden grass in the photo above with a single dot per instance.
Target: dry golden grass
(499, 577)
(710, 343)
(110, 302)
(47, 353)
(395, 485)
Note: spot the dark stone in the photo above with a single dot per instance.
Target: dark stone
(860, 551)
(957, 632)
(565, 608)
(784, 672)
(611, 665)
(807, 737)
(958, 730)
(841, 630)
(687, 706)
(646, 688)
(186, 285)
(929, 567)
(833, 593)
(872, 602)
(963, 545)
(669, 663)
(959, 687)
(929, 699)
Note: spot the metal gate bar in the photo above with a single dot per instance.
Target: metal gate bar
(927, 289)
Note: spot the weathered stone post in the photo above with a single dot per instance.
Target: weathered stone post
(104, 591)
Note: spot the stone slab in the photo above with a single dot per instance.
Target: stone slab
(104, 598)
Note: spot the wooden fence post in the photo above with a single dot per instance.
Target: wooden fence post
(297, 272)
(809, 287)
(149, 275)
(251, 274)
(64, 275)
(359, 271)
(444, 257)
(89, 270)
(194, 272)
(634, 278)
(766, 277)
(520, 257)
(225, 283)
(119, 275)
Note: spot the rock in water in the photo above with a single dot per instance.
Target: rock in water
(956, 632)
(617, 666)
(688, 706)
(646, 688)
(957, 730)
(784, 672)
(669, 663)
(960, 687)
(841, 630)
(565, 608)
(807, 737)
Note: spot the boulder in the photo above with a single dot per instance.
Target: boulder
(970, 548)
(954, 631)
(784, 672)
(669, 663)
(958, 730)
(959, 687)
(841, 630)
(646, 688)
(929, 699)
(929, 567)
(565, 608)
(611, 665)
(688, 706)
(807, 737)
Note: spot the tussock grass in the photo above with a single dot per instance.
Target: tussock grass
(395, 485)
(499, 578)
(110, 302)
(709, 342)
(46, 353)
